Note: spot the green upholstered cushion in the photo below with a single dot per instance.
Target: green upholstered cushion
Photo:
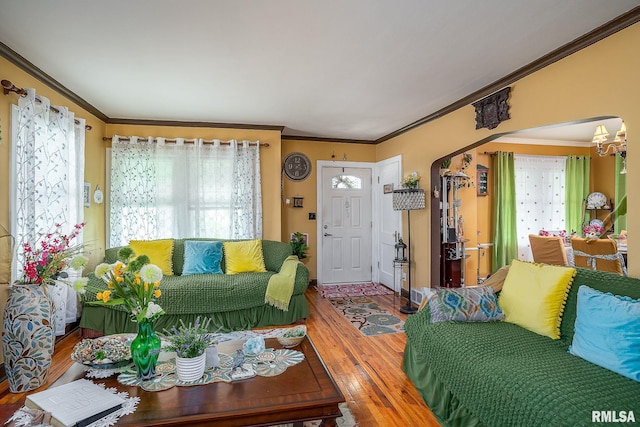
(508, 376)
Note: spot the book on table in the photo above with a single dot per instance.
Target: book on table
(75, 404)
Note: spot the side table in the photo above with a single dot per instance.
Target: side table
(398, 269)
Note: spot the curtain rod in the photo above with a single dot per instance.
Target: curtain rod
(188, 141)
(8, 87)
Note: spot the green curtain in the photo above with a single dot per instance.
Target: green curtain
(505, 242)
(620, 218)
(576, 191)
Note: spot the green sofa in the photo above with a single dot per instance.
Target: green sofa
(497, 374)
(234, 301)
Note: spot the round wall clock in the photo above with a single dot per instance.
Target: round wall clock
(297, 166)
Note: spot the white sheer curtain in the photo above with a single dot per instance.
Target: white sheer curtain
(540, 197)
(47, 183)
(186, 188)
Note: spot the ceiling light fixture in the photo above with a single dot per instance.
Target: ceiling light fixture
(619, 144)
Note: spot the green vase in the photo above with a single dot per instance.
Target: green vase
(145, 349)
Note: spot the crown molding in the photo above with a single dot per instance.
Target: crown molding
(327, 139)
(621, 22)
(177, 123)
(19, 61)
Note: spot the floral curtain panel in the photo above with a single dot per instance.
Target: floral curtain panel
(184, 189)
(48, 171)
(540, 197)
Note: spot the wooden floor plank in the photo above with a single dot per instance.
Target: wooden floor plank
(367, 369)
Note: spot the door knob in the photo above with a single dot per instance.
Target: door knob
(327, 234)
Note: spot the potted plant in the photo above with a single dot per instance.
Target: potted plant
(299, 245)
(190, 343)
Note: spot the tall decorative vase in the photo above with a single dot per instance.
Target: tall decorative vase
(145, 349)
(28, 339)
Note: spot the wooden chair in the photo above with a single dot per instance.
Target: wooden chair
(548, 250)
(600, 254)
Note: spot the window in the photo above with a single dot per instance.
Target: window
(540, 197)
(347, 182)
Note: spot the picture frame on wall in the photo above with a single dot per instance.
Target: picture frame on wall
(87, 194)
(388, 188)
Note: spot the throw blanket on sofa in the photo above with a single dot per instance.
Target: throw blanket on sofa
(280, 286)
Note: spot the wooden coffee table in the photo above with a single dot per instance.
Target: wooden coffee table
(303, 392)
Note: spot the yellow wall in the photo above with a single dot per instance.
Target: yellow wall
(568, 90)
(297, 219)
(269, 160)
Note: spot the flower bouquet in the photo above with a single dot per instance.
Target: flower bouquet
(45, 261)
(593, 231)
(135, 283)
(411, 180)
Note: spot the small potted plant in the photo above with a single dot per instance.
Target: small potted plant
(298, 245)
(190, 343)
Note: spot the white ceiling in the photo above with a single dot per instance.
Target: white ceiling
(353, 69)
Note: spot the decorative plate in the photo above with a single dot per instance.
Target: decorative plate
(597, 222)
(596, 200)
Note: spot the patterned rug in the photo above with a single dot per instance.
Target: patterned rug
(346, 420)
(367, 316)
(353, 290)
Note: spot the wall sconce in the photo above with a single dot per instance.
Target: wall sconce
(297, 201)
(619, 143)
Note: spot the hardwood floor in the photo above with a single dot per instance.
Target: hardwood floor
(367, 369)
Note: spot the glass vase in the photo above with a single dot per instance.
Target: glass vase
(145, 349)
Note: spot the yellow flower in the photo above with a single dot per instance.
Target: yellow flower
(157, 293)
(99, 295)
(106, 295)
(110, 285)
(156, 285)
(118, 269)
(137, 279)
(119, 279)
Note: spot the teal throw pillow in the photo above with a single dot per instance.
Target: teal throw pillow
(464, 305)
(607, 331)
(202, 257)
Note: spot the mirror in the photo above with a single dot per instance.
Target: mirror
(466, 187)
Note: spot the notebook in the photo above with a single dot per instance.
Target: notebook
(75, 404)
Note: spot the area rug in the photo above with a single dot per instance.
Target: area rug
(346, 420)
(353, 290)
(367, 316)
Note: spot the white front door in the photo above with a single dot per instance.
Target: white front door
(387, 222)
(346, 225)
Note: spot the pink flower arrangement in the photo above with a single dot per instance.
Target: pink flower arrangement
(593, 231)
(46, 260)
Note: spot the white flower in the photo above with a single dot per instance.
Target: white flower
(79, 262)
(153, 309)
(80, 285)
(150, 273)
(102, 269)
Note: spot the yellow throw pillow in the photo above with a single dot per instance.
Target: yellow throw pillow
(160, 252)
(533, 296)
(244, 257)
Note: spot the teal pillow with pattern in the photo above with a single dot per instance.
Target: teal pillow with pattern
(464, 305)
